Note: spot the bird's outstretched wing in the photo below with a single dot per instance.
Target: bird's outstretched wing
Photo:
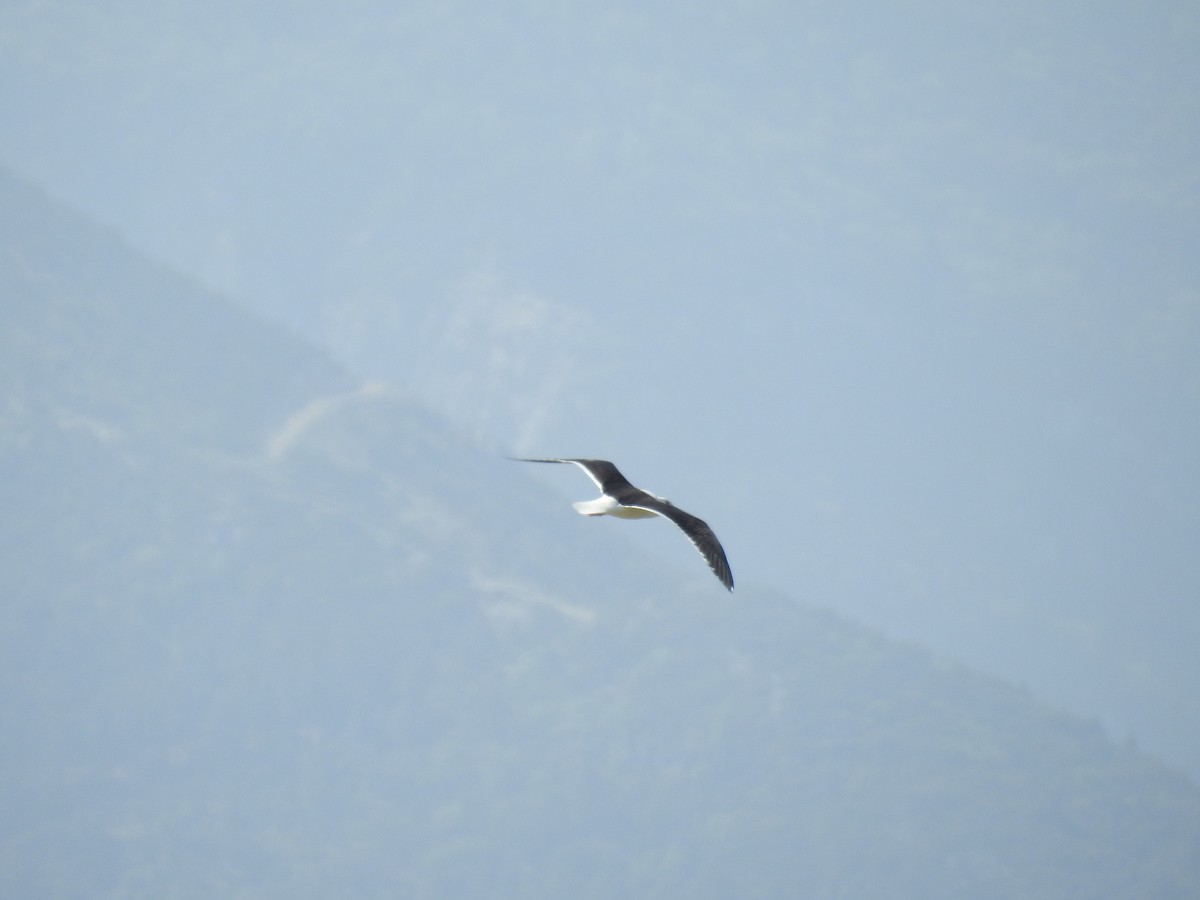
(606, 476)
(702, 537)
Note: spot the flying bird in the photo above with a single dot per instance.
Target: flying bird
(621, 499)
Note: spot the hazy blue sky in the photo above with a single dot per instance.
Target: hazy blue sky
(903, 298)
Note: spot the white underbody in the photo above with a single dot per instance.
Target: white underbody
(607, 506)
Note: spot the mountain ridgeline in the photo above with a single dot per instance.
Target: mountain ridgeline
(269, 632)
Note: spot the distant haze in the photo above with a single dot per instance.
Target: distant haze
(905, 300)
(269, 631)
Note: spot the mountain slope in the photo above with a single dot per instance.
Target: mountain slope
(268, 634)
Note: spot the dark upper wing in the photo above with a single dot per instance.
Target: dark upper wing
(601, 471)
(702, 537)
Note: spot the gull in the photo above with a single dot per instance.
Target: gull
(621, 499)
